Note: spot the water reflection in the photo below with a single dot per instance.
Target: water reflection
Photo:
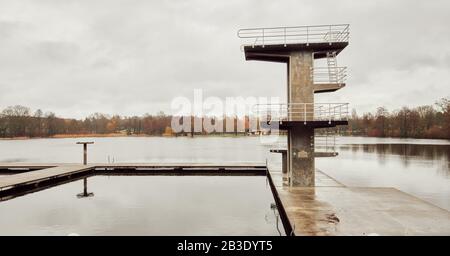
(417, 168)
(85, 190)
(430, 155)
(428, 152)
(273, 216)
(144, 205)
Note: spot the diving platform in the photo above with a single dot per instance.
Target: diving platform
(281, 53)
(329, 87)
(304, 115)
(287, 124)
(316, 154)
(276, 44)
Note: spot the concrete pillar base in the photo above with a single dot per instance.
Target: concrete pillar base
(301, 156)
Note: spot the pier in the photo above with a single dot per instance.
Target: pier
(328, 208)
(26, 175)
(331, 208)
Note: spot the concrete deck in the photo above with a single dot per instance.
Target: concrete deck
(321, 88)
(280, 52)
(331, 208)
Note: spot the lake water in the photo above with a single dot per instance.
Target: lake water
(203, 205)
(146, 205)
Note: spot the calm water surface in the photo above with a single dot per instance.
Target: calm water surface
(204, 205)
(145, 205)
(418, 167)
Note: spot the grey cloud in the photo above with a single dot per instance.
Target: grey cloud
(54, 51)
(132, 57)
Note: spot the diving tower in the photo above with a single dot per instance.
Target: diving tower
(299, 47)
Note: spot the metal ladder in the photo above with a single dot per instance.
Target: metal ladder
(332, 67)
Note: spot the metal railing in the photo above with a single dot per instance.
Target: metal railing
(296, 35)
(329, 75)
(325, 142)
(302, 112)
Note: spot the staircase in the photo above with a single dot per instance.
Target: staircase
(332, 67)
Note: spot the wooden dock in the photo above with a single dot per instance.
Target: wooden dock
(34, 174)
(331, 208)
(35, 177)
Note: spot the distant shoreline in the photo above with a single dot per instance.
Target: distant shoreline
(119, 135)
(66, 136)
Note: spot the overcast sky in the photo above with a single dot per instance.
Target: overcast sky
(77, 57)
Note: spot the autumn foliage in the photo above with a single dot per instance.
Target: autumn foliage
(431, 121)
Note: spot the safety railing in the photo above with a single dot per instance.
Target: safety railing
(302, 112)
(329, 75)
(325, 142)
(295, 35)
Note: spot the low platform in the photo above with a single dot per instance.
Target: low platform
(330, 208)
(316, 154)
(322, 88)
(286, 125)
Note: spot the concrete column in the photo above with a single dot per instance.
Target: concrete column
(301, 86)
(301, 138)
(301, 156)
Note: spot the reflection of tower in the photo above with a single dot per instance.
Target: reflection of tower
(299, 47)
(85, 190)
(274, 208)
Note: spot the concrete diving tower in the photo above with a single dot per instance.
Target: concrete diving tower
(299, 47)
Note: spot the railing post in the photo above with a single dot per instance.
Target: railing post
(85, 150)
(307, 36)
(334, 113)
(304, 111)
(334, 143)
(280, 113)
(285, 37)
(329, 113)
(330, 36)
(263, 38)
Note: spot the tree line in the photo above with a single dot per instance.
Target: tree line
(20, 121)
(430, 121)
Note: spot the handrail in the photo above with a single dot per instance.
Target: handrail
(296, 35)
(305, 112)
(324, 141)
(329, 75)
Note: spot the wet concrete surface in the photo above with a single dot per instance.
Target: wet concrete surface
(332, 208)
